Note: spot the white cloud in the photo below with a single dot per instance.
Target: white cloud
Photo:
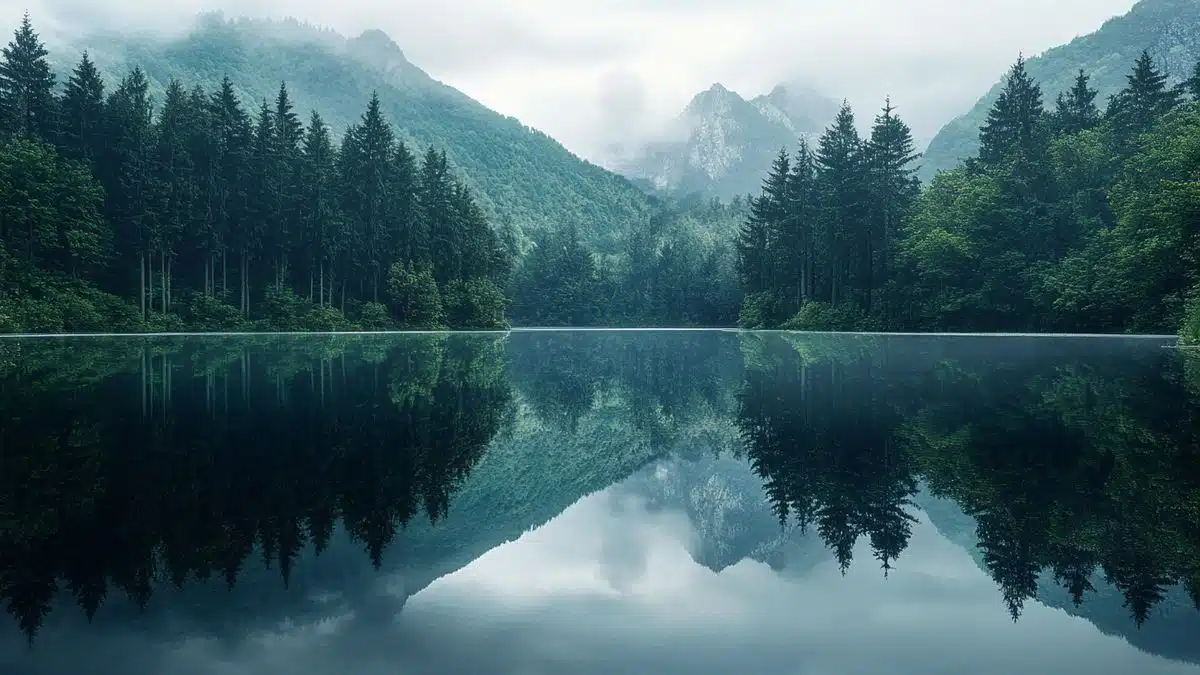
(596, 72)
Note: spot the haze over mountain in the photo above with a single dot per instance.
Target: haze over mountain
(519, 173)
(1168, 29)
(722, 144)
(594, 74)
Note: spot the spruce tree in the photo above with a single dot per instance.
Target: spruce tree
(126, 173)
(175, 182)
(82, 113)
(890, 153)
(1144, 99)
(1076, 110)
(289, 133)
(841, 181)
(318, 213)
(1013, 119)
(26, 85)
(366, 175)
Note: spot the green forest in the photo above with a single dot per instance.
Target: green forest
(1072, 218)
(205, 212)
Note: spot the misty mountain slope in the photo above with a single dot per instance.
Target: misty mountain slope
(724, 144)
(1173, 624)
(1169, 29)
(519, 172)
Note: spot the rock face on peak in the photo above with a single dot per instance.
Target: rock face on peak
(1168, 29)
(722, 144)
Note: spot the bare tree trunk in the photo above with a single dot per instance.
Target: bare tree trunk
(162, 281)
(142, 285)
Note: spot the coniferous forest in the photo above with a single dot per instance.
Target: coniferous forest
(205, 212)
(1072, 217)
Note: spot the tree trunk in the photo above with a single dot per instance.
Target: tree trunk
(322, 285)
(142, 284)
(162, 281)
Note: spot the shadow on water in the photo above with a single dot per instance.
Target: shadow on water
(137, 468)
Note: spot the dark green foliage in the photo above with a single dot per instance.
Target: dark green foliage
(1012, 123)
(27, 105)
(196, 202)
(1066, 221)
(415, 299)
(824, 231)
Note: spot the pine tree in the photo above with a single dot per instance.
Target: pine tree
(841, 180)
(126, 173)
(284, 181)
(1013, 119)
(1076, 110)
(262, 214)
(319, 217)
(1144, 99)
(229, 135)
(175, 181)
(412, 230)
(366, 175)
(756, 256)
(798, 242)
(890, 153)
(435, 196)
(82, 113)
(26, 85)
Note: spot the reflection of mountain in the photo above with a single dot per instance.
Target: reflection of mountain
(723, 499)
(1072, 464)
(1170, 633)
(1069, 468)
(265, 448)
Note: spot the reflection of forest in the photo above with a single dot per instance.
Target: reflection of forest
(124, 463)
(1077, 459)
(134, 463)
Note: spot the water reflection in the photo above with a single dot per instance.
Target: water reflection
(566, 501)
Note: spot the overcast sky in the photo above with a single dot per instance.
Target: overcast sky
(593, 72)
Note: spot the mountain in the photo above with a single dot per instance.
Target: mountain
(722, 144)
(1169, 29)
(518, 172)
(1169, 634)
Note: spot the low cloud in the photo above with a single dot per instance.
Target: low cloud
(597, 75)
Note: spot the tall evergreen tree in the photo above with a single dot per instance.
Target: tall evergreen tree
(289, 133)
(229, 136)
(319, 217)
(1076, 110)
(1144, 99)
(175, 181)
(1012, 121)
(127, 175)
(841, 180)
(890, 153)
(26, 85)
(366, 174)
(81, 133)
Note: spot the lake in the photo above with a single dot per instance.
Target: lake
(599, 502)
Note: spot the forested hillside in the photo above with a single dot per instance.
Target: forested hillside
(121, 210)
(518, 173)
(1072, 217)
(1168, 29)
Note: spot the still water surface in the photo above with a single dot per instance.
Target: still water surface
(599, 502)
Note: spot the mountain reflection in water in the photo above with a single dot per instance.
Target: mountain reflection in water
(595, 501)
